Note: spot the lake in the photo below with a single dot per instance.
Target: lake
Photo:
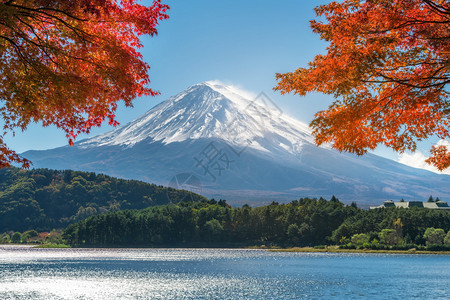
(27, 273)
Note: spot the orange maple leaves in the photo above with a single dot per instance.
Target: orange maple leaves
(68, 62)
(388, 67)
(440, 157)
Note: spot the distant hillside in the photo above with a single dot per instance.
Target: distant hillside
(44, 199)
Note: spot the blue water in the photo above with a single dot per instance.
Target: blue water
(27, 273)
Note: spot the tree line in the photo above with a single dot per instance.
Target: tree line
(304, 222)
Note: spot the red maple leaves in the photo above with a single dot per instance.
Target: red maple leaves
(68, 63)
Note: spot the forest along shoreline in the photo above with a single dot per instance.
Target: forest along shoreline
(304, 225)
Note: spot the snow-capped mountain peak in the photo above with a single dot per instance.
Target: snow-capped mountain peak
(239, 96)
(212, 110)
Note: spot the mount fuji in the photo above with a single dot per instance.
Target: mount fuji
(225, 143)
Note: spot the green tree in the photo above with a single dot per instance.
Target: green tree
(5, 238)
(293, 233)
(434, 235)
(213, 230)
(447, 238)
(16, 237)
(28, 234)
(84, 212)
(31, 233)
(389, 237)
(360, 238)
(398, 227)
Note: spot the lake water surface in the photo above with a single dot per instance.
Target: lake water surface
(27, 273)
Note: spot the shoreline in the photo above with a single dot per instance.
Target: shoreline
(362, 251)
(331, 249)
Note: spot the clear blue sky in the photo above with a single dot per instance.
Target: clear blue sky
(239, 42)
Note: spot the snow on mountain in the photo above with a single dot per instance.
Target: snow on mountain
(212, 110)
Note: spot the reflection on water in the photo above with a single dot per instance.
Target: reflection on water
(27, 273)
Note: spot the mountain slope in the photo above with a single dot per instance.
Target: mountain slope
(239, 147)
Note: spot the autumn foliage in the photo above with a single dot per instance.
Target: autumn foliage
(68, 62)
(387, 65)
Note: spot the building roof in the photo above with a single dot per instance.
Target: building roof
(408, 204)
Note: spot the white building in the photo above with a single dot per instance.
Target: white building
(409, 204)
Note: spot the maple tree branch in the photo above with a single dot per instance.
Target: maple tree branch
(406, 82)
(16, 47)
(438, 8)
(41, 9)
(434, 63)
(35, 14)
(40, 45)
(81, 34)
(25, 60)
(409, 23)
(45, 49)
